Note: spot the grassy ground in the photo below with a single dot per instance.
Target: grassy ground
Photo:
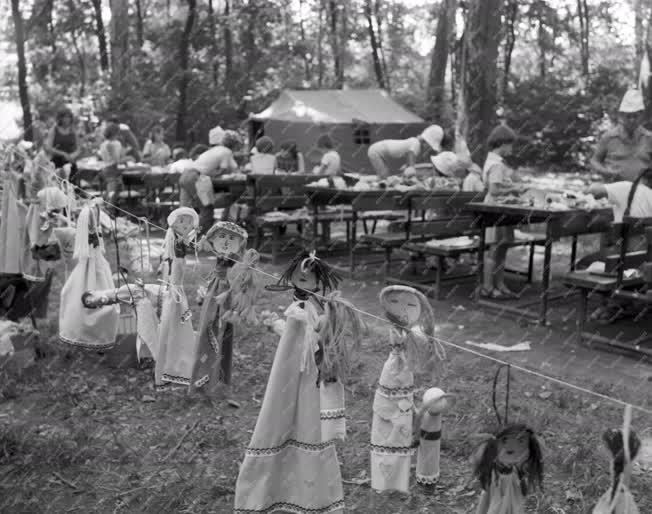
(77, 435)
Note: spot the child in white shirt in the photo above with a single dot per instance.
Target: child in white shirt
(263, 162)
(331, 162)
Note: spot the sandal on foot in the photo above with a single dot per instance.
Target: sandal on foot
(507, 293)
(493, 294)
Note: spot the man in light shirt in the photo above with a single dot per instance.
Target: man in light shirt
(409, 150)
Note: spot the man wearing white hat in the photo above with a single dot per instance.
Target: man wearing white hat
(624, 152)
(381, 152)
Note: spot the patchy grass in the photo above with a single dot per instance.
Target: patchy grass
(77, 435)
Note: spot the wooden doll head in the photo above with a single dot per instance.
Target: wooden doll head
(407, 307)
(183, 221)
(436, 401)
(226, 238)
(513, 447)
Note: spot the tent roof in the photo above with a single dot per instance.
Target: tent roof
(337, 106)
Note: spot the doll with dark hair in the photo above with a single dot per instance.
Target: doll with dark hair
(509, 466)
(623, 449)
(287, 466)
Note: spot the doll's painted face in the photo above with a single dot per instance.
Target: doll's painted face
(513, 448)
(403, 307)
(183, 225)
(304, 279)
(225, 242)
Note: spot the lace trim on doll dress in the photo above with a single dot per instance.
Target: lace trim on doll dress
(393, 450)
(293, 508)
(290, 443)
(427, 480)
(87, 346)
(212, 340)
(395, 392)
(175, 380)
(332, 414)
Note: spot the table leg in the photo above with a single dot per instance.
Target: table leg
(354, 230)
(315, 224)
(573, 253)
(440, 267)
(581, 315)
(481, 252)
(547, 258)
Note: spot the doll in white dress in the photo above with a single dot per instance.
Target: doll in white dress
(176, 336)
(393, 407)
(78, 325)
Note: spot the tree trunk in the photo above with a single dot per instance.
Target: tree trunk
(228, 48)
(585, 28)
(439, 62)
(120, 56)
(542, 43)
(334, 37)
(510, 41)
(17, 16)
(79, 53)
(307, 65)
(184, 68)
(249, 41)
(140, 25)
(378, 66)
(481, 70)
(638, 29)
(100, 32)
(381, 46)
(344, 41)
(320, 46)
(213, 33)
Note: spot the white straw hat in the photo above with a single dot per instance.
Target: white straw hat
(447, 163)
(433, 135)
(632, 102)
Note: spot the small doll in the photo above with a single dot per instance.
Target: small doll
(393, 407)
(287, 467)
(623, 449)
(509, 466)
(435, 402)
(229, 300)
(78, 325)
(176, 336)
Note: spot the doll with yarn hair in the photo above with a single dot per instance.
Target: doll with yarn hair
(287, 467)
(509, 466)
(78, 325)
(229, 300)
(623, 446)
(393, 408)
(176, 336)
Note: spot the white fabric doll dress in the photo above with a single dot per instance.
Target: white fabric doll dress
(622, 503)
(88, 328)
(176, 345)
(504, 496)
(287, 467)
(391, 426)
(12, 233)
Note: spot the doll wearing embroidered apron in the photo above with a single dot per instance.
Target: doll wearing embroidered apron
(79, 326)
(176, 336)
(435, 402)
(212, 364)
(623, 446)
(393, 407)
(287, 467)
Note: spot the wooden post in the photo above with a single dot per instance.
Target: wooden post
(227, 353)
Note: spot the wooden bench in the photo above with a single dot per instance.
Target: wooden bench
(161, 195)
(613, 284)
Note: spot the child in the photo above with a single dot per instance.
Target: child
(497, 177)
(473, 180)
(289, 159)
(331, 162)
(111, 153)
(263, 162)
(156, 151)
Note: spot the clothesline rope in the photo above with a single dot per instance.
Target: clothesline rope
(435, 339)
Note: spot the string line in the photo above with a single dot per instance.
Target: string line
(380, 319)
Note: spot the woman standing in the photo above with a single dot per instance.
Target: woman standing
(156, 152)
(62, 144)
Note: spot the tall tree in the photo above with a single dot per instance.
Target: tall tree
(585, 31)
(120, 56)
(375, 50)
(228, 48)
(213, 33)
(510, 40)
(320, 46)
(379, 23)
(439, 61)
(305, 54)
(23, 91)
(184, 65)
(140, 24)
(334, 18)
(100, 32)
(483, 32)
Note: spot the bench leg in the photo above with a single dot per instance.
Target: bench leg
(573, 253)
(388, 260)
(373, 226)
(364, 227)
(276, 244)
(530, 265)
(581, 315)
(440, 266)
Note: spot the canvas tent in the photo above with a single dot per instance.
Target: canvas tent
(353, 118)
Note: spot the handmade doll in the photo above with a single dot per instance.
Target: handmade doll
(393, 407)
(435, 402)
(287, 467)
(623, 449)
(176, 336)
(229, 300)
(79, 326)
(509, 466)
(12, 234)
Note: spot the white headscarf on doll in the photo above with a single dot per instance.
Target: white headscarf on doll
(170, 235)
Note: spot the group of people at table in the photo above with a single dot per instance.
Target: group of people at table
(621, 155)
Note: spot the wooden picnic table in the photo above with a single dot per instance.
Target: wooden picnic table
(568, 223)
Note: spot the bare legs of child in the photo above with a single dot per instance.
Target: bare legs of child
(494, 274)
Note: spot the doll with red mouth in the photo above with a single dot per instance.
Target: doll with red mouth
(393, 407)
(229, 300)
